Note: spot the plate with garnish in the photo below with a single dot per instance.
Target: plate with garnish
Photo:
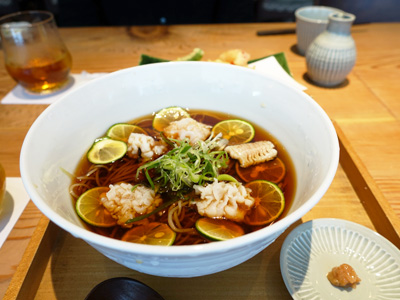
(339, 259)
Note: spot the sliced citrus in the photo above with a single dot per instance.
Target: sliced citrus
(269, 205)
(235, 131)
(218, 229)
(195, 55)
(153, 233)
(226, 177)
(106, 150)
(167, 115)
(90, 209)
(122, 131)
(273, 170)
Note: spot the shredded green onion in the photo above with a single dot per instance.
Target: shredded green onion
(134, 187)
(186, 165)
(160, 208)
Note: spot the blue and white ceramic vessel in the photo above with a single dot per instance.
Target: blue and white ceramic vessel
(332, 55)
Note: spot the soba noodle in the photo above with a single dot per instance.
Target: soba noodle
(182, 215)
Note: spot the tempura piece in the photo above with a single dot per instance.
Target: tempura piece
(188, 128)
(252, 153)
(228, 200)
(125, 201)
(144, 146)
(343, 276)
(235, 57)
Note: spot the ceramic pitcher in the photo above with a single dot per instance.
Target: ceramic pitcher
(332, 55)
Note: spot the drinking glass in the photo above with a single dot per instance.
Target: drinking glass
(34, 53)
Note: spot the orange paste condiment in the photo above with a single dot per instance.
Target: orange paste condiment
(343, 276)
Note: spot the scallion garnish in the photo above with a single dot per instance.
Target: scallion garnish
(186, 165)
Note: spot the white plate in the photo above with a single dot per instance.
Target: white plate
(312, 249)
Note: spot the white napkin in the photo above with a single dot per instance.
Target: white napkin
(13, 205)
(19, 96)
(270, 66)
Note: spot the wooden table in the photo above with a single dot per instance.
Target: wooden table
(366, 106)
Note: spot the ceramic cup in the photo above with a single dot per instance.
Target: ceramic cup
(310, 22)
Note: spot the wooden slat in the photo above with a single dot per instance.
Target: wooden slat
(381, 213)
(30, 270)
(365, 106)
(73, 260)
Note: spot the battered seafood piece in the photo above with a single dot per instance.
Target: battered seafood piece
(224, 200)
(187, 128)
(145, 146)
(235, 57)
(343, 276)
(125, 201)
(252, 153)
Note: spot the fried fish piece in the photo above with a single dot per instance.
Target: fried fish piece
(228, 200)
(252, 153)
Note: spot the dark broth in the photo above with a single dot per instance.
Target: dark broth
(287, 185)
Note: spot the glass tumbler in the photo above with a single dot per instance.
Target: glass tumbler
(34, 53)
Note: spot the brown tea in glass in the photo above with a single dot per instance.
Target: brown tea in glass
(34, 53)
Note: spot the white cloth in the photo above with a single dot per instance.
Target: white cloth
(12, 207)
(18, 95)
(270, 66)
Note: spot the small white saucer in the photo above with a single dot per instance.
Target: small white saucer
(312, 249)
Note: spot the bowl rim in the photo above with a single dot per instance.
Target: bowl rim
(184, 250)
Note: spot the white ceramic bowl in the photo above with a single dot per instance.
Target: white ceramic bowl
(66, 129)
